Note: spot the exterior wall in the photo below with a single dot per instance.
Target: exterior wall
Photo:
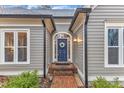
(96, 37)
(62, 27)
(36, 52)
(78, 49)
(62, 24)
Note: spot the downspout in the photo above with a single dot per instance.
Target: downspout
(86, 50)
(44, 51)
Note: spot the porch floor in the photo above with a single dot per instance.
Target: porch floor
(64, 76)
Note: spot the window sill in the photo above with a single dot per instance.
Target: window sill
(113, 66)
(14, 63)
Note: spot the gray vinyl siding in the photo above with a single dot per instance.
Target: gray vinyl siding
(96, 39)
(62, 27)
(62, 24)
(78, 49)
(36, 51)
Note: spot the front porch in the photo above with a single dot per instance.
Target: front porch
(64, 76)
(65, 52)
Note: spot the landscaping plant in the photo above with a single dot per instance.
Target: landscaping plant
(101, 82)
(25, 80)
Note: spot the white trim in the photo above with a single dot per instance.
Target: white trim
(11, 73)
(53, 39)
(109, 78)
(84, 48)
(15, 31)
(114, 24)
(81, 75)
(63, 23)
(94, 7)
(105, 46)
(20, 25)
(120, 27)
(31, 24)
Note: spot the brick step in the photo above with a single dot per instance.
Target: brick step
(62, 67)
(63, 73)
(66, 63)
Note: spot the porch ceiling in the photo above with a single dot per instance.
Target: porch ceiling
(79, 18)
(50, 25)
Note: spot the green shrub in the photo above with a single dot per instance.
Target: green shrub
(101, 82)
(116, 84)
(25, 80)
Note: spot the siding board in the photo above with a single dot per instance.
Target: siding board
(78, 50)
(96, 39)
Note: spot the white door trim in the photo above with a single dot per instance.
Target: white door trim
(53, 45)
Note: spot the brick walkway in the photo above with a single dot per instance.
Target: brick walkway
(63, 76)
(64, 82)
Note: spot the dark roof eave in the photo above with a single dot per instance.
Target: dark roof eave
(79, 10)
(22, 16)
(31, 16)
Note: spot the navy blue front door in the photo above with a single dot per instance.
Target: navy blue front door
(62, 49)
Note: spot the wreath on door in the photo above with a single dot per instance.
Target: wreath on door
(62, 44)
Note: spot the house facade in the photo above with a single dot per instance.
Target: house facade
(92, 40)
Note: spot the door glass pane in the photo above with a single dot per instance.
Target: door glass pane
(22, 54)
(9, 56)
(9, 38)
(22, 39)
(112, 37)
(113, 55)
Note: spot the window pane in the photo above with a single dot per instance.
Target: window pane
(123, 37)
(22, 54)
(112, 37)
(9, 55)
(112, 55)
(22, 39)
(9, 38)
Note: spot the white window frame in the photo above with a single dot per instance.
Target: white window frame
(15, 31)
(120, 26)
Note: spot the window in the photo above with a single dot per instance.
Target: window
(114, 46)
(15, 46)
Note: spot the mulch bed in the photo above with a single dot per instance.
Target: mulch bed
(45, 83)
(3, 79)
